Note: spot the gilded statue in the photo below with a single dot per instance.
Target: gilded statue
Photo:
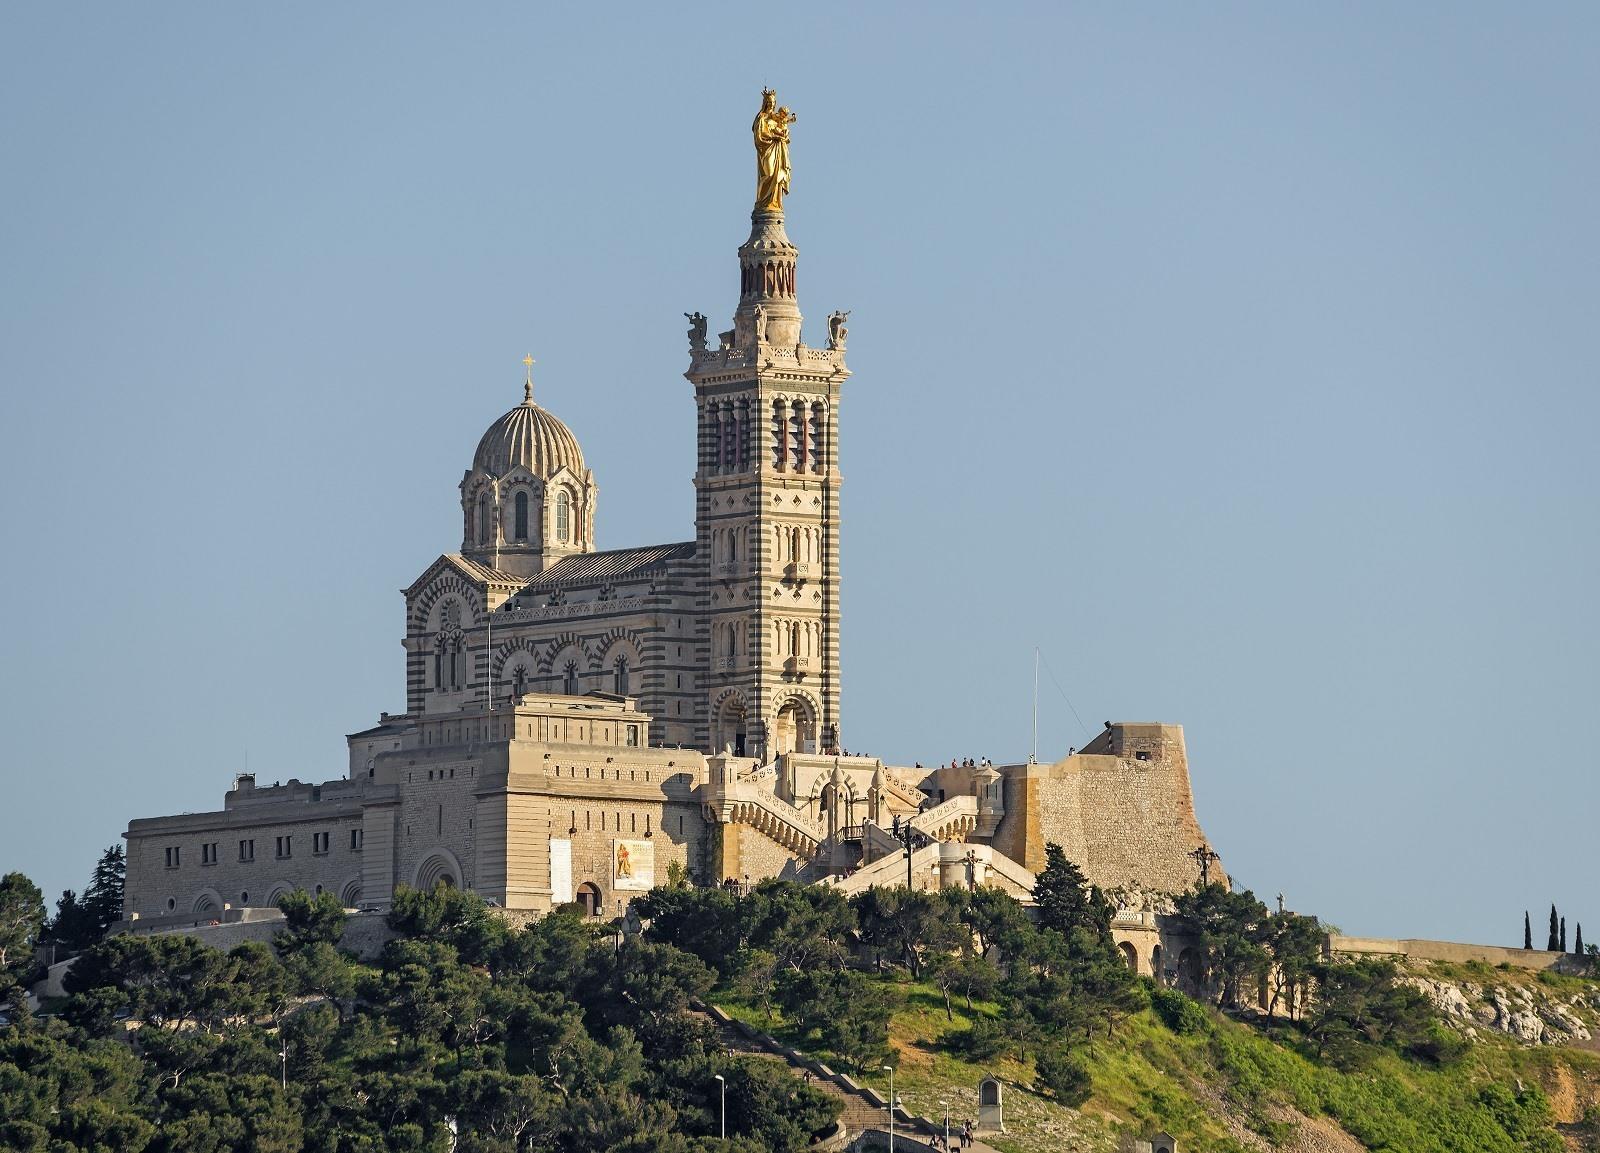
(771, 130)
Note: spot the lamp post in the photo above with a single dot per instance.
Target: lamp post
(722, 1086)
(904, 837)
(889, 1069)
(945, 1105)
(284, 1054)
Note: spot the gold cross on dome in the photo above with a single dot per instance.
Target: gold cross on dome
(527, 389)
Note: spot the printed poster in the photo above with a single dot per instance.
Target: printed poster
(633, 865)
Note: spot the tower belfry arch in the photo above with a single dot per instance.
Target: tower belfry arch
(767, 484)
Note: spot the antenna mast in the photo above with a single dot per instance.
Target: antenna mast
(1033, 758)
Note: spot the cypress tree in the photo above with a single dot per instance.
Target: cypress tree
(1579, 942)
(1563, 934)
(1553, 945)
(1527, 930)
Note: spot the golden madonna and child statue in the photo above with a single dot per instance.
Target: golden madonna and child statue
(771, 130)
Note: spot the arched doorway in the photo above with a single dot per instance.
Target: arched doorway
(1189, 972)
(439, 869)
(795, 730)
(1129, 954)
(1155, 965)
(732, 726)
(588, 896)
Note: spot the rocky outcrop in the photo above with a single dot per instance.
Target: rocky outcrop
(1530, 1015)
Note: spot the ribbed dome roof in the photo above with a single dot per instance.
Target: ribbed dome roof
(531, 437)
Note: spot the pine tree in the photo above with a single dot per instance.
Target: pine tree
(73, 926)
(1563, 934)
(1527, 930)
(1553, 945)
(102, 899)
(1578, 944)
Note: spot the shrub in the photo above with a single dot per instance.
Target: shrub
(981, 1041)
(1179, 1013)
(1064, 1075)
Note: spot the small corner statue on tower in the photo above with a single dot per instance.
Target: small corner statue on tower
(771, 130)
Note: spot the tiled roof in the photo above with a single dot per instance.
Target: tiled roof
(617, 564)
(482, 572)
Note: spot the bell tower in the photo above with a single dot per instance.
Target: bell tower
(767, 493)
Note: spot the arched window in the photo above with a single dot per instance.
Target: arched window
(563, 516)
(522, 516)
(438, 664)
(621, 668)
(485, 529)
(570, 685)
(519, 681)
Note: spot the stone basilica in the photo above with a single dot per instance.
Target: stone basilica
(579, 722)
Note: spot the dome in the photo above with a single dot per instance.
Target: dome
(529, 437)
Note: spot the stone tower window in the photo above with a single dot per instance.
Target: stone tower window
(520, 527)
(621, 670)
(798, 435)
(563, 516)
(485, 530)
(570, 687)
(780, 435)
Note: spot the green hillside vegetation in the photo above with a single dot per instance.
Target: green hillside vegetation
(548, 1038)
(565, 1036)
(964, 985)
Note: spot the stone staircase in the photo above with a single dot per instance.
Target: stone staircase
(888, 871)
(951, 820)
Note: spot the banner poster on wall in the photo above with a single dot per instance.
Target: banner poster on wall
(633, 865)
(560, 872)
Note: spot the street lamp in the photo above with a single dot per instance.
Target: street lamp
(904, 837)
(889, 1069)
(945, 1105)
(722, 1086)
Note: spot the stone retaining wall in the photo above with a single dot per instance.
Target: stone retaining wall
(1416, 949)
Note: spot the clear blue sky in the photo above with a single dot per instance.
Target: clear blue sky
(1242, 358)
